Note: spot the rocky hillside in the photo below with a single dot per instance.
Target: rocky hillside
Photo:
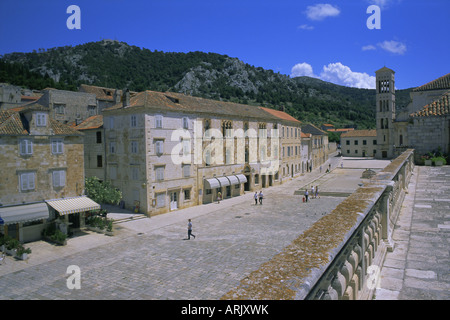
(118, 65)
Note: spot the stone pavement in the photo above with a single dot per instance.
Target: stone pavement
(149, 258)
(419, 266)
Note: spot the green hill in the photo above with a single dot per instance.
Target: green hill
(118, 65)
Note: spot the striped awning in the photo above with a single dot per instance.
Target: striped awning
(242, 178)
(212, 183)
(223, 181)
(73, 205)
(233, 180)
(24, 213)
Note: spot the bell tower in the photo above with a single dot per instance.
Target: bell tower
(385, 112)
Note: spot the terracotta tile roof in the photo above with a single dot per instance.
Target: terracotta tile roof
(171, 101)
(93, 122)
(438, 84)
(359, 133)
(14, 123)
(100, 92)
(11, 123)
(305, 135)
(280, 114)
(439, 107)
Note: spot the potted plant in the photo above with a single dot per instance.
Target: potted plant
(3, 240)
(22, 252)
(11, 246)
(59, 237)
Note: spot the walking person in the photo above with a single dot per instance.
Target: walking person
(306, 195)
(260, 196)
(190, 230)
(219, 197)
(317, 192)
(312, 192)
(256, 197)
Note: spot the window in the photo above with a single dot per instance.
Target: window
(347, 142)
(41, 119)
(99, 136)
(27, 181)
(364, 142)
(59, 108)
(158, 121)
(26, 147)
(113, 172)
(185, 123)
(99, 161)
(160, 200)
(186, 170)
(159, 147)
(374, 142)
(134, 147)
(59, 178)
(356, 142)
(186, 147)
(159, 171)
(356, 151)
(208, 158)
(57, 146)
(112, 147)
(133, 122)
(348, 151)
(256, 178)
(92, 110)
(228, 156)
(187, 194)
(135, 172)
(111, 123)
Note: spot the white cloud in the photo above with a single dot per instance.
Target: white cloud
(302, 69)
(305, 27)
(339, 74)
(393, 47)
(368, 47)
(321, 11)
(336, 73)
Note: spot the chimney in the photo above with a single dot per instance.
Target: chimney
(126, 98)
(116, 96)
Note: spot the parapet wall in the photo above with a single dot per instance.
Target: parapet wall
(341, 255)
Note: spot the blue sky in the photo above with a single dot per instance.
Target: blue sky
(325, 39)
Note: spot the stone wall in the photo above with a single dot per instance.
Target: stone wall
(340, 256)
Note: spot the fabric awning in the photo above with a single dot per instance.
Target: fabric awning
(233, 180)
(73, 205)
(212, 183)
(223, 181)
(24, 213)
(242, 178)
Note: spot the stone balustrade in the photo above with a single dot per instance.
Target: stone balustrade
(341, 255)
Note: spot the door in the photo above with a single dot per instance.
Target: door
(173, 200)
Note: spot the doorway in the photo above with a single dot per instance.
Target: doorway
(173, 200)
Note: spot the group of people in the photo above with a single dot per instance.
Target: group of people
(258, 197)
(314, 194)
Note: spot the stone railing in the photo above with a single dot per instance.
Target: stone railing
(341, 255)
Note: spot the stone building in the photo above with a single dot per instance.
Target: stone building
(94, 147)
(359, 143)
(166, 151)
(423, 125)
(42, 173)
(319, 145)
(69, 107)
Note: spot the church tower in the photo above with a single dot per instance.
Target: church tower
(385, 112)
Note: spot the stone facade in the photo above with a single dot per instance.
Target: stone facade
(359, 143)
(42, 160)
(165, 150)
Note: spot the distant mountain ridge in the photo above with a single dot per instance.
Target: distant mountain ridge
(116, 64)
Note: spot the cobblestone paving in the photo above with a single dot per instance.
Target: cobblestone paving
(148, 262)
